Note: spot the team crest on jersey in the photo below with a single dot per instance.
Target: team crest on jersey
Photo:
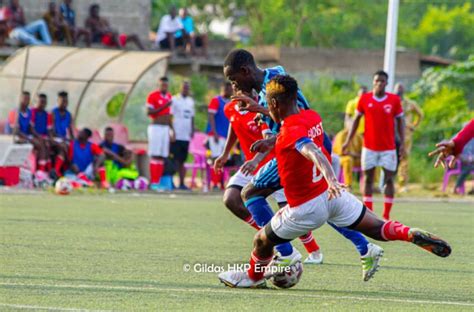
(387, 108)
(370, 105)
(252, 126)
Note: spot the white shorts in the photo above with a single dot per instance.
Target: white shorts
(216, 148)
(385, 159)
(290, 223)
(159, 140)
(239, 179)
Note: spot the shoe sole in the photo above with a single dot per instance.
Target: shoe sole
(313, 262)
(230, 285)
(431, 243)
(376, 267)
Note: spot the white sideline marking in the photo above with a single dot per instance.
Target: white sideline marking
(34, 307)
(244, 293)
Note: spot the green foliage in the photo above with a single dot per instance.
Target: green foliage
(114, 106)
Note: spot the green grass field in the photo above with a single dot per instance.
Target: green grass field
(126, 252)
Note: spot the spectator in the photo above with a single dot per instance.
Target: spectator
(467, 165)
(25, 33)
(351, 158)
(166, 38)
(58, 27)
(217, 128)
(413, 116)
(118, 160)
(25, 133)
(86, 159)
(182, 110)
(3, 25)
(351, 111)
(102, 32)
(195, 41)
(41, 122)
(69, 16)
(160, 131)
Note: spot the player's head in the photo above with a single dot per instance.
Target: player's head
(52, 7)
(240, 69)
(362, 90)
(24, 99)
(183, 12)
(68, 2)
(185, 88)
(399, 89)
(109, 135)
(380, 81)
(163, 84)
(14, 3)
(282, 91)
(42, 101)
(84, 135)
(63, 100)
(226, 89)
(172, 11)
(94, 10)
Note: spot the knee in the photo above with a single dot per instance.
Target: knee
(246, 192)
(230, 201)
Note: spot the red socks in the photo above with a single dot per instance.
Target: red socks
(58, 166)
(251, 221)
(387, 206)
(368, 202)
(156, 170)
(216, 178)
(309, 242)
(257, 265)
(103, 178)
(394, 230)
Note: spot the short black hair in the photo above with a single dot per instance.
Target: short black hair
(226, 84)
(381, 73)
(238, 58)
(25, 93)
(62, 94)
(88, 132)
(109, 129)
(42, 96)
(93, 6)
(283, 88)
(164, 79)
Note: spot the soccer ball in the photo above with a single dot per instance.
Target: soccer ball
(63, 186)
(124, 185)
(140, 184)
(288, 278)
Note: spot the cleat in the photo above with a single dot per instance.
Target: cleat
(239, 279)
(316, 257)
(370, 261)
(429, 242)
(283, 261)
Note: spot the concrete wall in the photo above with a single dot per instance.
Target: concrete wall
(129, 16)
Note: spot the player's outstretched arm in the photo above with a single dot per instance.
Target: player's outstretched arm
(314, 153)
(351, 134)
(249, 104)
(229, 145)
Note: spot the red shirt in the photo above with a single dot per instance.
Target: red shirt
(379, 133)
(95, 149)
(300, 178)
(247, 130)
(157, 100)
(464, 136)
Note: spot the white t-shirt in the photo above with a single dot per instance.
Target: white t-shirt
(168, 25)
(182, 110)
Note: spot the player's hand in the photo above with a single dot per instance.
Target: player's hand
(247, 103)
(444, 149)
(345, 148)
(258, 119)
(220, 162)
(335, 189)
(262, 146)
(401, 152)
(249, 167)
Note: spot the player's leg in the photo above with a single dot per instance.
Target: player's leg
(158, 149)
(368, 163)
(388, 162)
(40, 149)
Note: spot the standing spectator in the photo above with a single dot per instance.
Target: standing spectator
(217, 127)
(182, 110)
(351, 158)
(58, 27)
(351, 111)
(102, 32)
(69, 16)
(467, 165)
(166, 38)
(25, 33)
(380, 109)
(160, 130)
(195, 40)
(413, 116)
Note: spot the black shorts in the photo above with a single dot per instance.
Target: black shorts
(165, 44)
(179, 150)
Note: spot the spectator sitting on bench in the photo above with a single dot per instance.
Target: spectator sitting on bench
(170, 25)
(118, 160)
(102, 32)
(25, 33)
(69, 16)
(58, 27)
(193, 39)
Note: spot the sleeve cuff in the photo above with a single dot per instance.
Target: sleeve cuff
(400, 115)
(301, 143)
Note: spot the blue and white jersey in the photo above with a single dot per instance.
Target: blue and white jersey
(269, 74)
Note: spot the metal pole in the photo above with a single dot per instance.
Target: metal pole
(391, 43)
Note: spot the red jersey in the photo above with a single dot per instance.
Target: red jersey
(464, 136)
(156, 100)
(300, 178)
(247, 130)
(380, 114)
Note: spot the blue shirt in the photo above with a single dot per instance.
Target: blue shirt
(188, 26)
(68, 14)
(61, 123)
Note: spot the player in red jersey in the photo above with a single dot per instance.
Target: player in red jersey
(313, 192)
(380, 109)
(160, 131)
(246, 130)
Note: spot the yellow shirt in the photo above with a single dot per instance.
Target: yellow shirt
(351, 110)
(355, 147)
(412, 113)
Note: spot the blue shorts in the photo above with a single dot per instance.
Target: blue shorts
(267, 177)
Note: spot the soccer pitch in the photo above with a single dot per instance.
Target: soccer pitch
(128, 252)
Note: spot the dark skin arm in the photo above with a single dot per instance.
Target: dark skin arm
(212, 123)
(229, 145)
(351, 134)
(401, 135)
(151, 111)
(249, 104)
